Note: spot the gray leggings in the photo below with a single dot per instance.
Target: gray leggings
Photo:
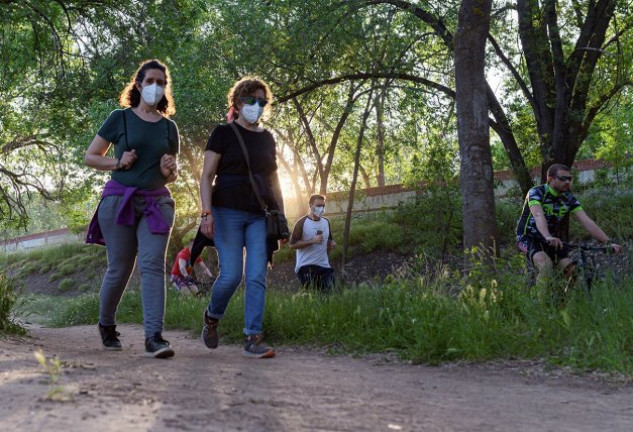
(123, 244)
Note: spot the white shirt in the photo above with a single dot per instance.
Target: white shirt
(314, 254)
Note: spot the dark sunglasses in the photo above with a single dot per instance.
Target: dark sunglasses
(250, 100)
(564, 178)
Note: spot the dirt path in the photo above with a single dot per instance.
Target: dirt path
(298, 390)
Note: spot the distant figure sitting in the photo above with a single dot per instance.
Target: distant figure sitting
(309, 238)
(182, 271)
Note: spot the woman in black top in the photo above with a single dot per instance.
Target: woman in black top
(232, 215)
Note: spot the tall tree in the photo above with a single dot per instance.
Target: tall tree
(561, 88)
(476, 174)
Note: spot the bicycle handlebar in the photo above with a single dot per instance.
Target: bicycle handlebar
(586, 247)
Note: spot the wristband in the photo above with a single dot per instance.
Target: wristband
(205, 213)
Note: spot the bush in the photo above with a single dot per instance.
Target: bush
(66, 285)
(8, 299)
(431, 223)
(611, 208)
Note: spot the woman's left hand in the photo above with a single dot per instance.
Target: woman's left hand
(168, 165)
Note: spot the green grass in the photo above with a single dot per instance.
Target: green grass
(66, 285)
(485, 315)
(42, 309)
(430, 314)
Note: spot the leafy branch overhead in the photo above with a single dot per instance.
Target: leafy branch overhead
(555, 74)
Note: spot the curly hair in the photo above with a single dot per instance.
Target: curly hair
(247, 86)
(131, 97)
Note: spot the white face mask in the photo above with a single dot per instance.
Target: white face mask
(318, 211)
(152, 94)
(252, 113)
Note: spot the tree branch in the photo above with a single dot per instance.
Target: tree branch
(517, 76)
(370, 75)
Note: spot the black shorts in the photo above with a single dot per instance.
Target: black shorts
(530, 245)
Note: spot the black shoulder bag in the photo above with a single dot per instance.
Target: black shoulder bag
(276, 222)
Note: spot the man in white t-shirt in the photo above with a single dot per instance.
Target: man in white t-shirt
(312, 239)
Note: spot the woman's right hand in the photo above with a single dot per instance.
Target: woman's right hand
(127, 159)
(207, 225)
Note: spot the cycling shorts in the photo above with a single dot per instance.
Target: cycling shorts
(530, 246)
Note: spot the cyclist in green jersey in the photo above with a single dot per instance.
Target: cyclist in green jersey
(544, 208)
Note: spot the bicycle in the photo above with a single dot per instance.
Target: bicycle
(585, 262)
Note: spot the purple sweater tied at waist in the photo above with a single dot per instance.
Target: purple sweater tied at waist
(126, 214)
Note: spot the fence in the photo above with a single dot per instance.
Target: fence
(386, 197)
(47, 238)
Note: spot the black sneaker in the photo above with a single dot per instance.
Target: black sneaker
(158, 347)
(110, 337)
(256, 348)
(210, 331)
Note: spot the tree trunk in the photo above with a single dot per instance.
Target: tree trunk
(561, 86)
(380, 131)
(476, 173)
(352, 189)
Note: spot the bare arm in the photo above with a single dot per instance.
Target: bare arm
(541, 225)
(182, 264)
(300, 244)
(595, 231)
(541, 222)
(591, 227)
(209, 170)
(169, 167)
(201, 266)
(95, 156)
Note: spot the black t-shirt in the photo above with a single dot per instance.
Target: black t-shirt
(232, 186)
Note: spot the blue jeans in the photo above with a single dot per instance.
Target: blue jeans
(234, 231)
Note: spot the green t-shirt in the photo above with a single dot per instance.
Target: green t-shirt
(150, 140)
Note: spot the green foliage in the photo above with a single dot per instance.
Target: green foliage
(9, 289)
(432, 222)
(29, 268)
(508, 212)
(66, 285)
(610, 207)
(84, 288)
(372, 235)
(68, 267)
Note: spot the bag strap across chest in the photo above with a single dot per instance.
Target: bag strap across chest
(248, 165)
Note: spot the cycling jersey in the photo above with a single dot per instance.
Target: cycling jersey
(555, 207)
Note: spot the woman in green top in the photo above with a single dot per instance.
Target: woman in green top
(136, 211)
